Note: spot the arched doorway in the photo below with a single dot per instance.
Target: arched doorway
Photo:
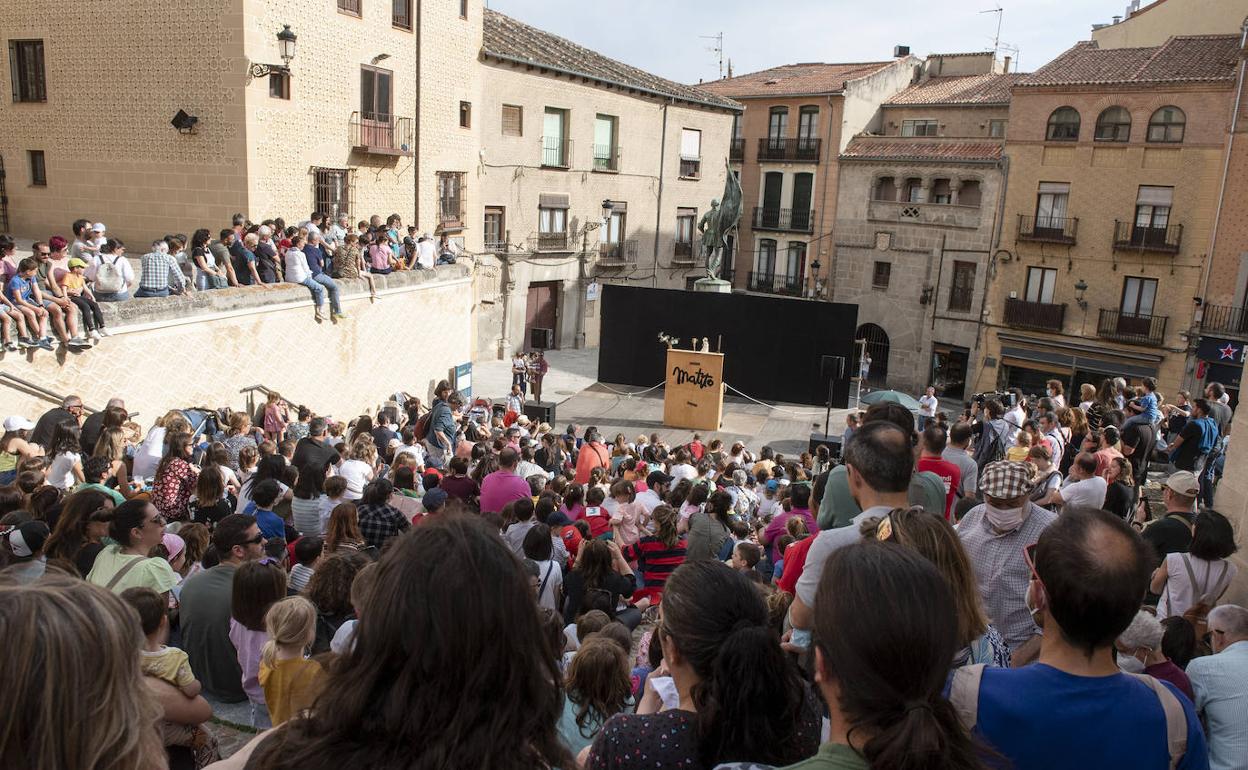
(877, 349)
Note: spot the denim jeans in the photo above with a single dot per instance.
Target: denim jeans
(103, 296)
(318, 291)
(324, 280)
(152, 292)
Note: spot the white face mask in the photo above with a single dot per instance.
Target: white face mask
(1005, 519)
(1130, 664)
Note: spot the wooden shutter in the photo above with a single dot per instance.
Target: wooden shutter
(513, 120)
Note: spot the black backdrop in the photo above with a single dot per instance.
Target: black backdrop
(774, 347)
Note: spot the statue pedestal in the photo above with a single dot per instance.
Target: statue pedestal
(712, 286)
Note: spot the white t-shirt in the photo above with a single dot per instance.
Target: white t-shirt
(148, 455)
(357, 474)
(1087, 493)
(683, 471)
(549, 573)
(1014, 419)
(344, 638)
(927, 405)
(426, 253)
(649, 500)
(61, 472)
(416, 451)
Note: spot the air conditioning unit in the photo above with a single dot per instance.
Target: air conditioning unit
(900, 51)
(541, 339)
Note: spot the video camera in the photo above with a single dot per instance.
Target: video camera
(1005, 397)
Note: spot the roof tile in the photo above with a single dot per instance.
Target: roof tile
(793, 79)
(1188, 59)
(507, 38)
(970, 89)
(905, 149)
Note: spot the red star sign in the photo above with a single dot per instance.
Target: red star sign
(1228, 352)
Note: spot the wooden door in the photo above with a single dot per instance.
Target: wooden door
(542, 311)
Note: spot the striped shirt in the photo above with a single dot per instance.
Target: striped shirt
(160, 271)
(1221, 685)
(655, 560)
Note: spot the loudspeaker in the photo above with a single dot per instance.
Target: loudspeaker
(540, 411)
(833, 443)
(541, 339)
(183, 122)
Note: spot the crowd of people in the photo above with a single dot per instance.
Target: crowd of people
(58, 289)
(458, 585)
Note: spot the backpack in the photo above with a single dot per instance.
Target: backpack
(421, 428)
(964, 697)
(992, 450)
(1203, 597)
(1040, 490)
(108, 277)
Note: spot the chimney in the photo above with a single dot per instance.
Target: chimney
(1117, 19)
(1005, 67)
(900, 50)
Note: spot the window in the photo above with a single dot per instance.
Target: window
(881, 274)
(552, 220)
(690, 153)
(465, 114)
(555, 149)
(996, 128)
(495, 230)
(1051, 201)
(1152, 214)
(685, 223)
(331, 191)
(963, 289)
(26, 69)
(885, 189)
(463, 9)
(376, 97)
(971, 194)
(350, 6)
(1113, 125)
(513, 120)
(279, 85)
(919, 128)
(1139, 296)
(1166, 125)
(451, 197)
(765, 264)
(552, 223)
(807, 125)
(401, 14)
(606, 154)
(795, 265)
(942, 191)
(778, 123)
(914, 189)
(38, 169)
(1040, 282)
(1063, 125)
(611, 236)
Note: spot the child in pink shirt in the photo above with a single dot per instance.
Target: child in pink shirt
(628, 519)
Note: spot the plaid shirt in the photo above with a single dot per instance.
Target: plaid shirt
(1001, 571)
(379, 522)
(160, 271)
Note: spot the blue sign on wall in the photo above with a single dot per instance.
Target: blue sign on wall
(463, 379)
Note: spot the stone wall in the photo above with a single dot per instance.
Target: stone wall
(1231, 500)
(1156, 22)
(200, 349)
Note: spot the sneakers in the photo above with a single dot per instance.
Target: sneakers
(26, 343)
(10, 346)
(319, 315)
(103, 332)
(339, 316)
(93, 335)
(45, 343)
(77, 343)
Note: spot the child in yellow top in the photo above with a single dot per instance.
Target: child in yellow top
(75, 285)
(290, 680)
(1022, 446)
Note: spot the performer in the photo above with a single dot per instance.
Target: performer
(519, 370)
(538, 366)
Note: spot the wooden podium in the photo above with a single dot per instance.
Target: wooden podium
(693, 396)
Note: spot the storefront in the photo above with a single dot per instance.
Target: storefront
(1221, 360)
(948, 373)
(1028, 364)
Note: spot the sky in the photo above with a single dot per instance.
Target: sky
(663, 36)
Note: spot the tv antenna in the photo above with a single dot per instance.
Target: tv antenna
(717, 49)
(996, 40)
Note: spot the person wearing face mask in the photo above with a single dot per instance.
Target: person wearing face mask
(1139, 652)
(994, 535)
(1075, 708)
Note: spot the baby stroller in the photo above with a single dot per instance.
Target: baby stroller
(205, 428)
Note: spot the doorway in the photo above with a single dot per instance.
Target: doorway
(876, 347)
(541, 312)
(948, 374)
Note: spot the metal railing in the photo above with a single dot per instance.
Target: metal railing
(1048, 229)
(1225, 319)
(31, 388)
(1135, 328)
(690, 168)
(683, 252)
(381, 134)
(350, 6)
(961, 298)
(1166, 239)
(606, 157)
(252, 390)
(773, 283)
(789, 220)
(556, 152)
(736, 152)
(803, 148)
(1044, 316)
(551, 241)
(619, 254)
(401, 14)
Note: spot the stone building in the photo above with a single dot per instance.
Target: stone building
(917, 218)
(590, 171)
(1115, 160)
(785, 147)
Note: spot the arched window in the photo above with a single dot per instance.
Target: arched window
(885, 189)
(970, 194)
(1166, 125)
(1063, 125)
(1113, 125)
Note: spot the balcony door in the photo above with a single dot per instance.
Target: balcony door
(612, 236)
(765, 266)
(802, 187)
(1135, 313)
(773, 186)
(794, 264)
(777, 128)
(1051, 202)
(376, 107)
(1152, 216)
(1040, 283)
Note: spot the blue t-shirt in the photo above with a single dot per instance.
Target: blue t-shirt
(20, 287)
(1148, 402)
(1039, 718)
(270, 524)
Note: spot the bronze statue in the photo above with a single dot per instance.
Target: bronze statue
(720, 222)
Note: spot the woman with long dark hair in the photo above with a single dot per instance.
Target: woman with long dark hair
(709, 528)
(415, 690)
(882, 665)
(729, 673)
(601, 576)
(80, 528)
(175, 478)
(269, 467)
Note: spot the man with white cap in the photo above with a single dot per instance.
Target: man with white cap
(994, 535)
(1172, 533)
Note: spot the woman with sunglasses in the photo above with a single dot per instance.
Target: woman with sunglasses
(729, 673)
(137, 527)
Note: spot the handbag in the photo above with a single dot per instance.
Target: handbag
(217, 282)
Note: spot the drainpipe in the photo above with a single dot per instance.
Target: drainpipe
(658, 214)
(416, 158)
(998, 227)
(823, 209)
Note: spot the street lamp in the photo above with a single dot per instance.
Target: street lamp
(1080, 287)
(285, 49)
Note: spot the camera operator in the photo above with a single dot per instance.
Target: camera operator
(991, 431)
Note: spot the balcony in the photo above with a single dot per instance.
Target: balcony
(620, 254)
(376, 133)
(551, 241)
(736, 152)
(803, 149)
(606, 157)
(1046, 229)
(1133, 237)
(683, 253)
(771, 283)
(939, 214)
(1136, 329)
(1041, 316)
(690, 168)
(451, 212)
(1224, 319)
(784, 220)
(556, 152)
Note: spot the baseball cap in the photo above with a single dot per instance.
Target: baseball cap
(76, 262)
(772, 485)
(658, 477)
(434, 499)
(98, 227)
(17, 422)
(1184, 483)
(1006, 480)
(174, 544)
(27, 539)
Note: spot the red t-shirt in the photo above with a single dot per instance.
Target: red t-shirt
(599, 520)
(696, 449)
(571, 537)
(949, 473)
(794, 563)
